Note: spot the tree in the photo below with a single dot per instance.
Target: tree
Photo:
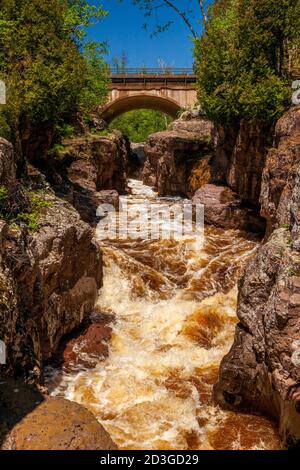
(42, 63)
(241, 59)
(138, 124)
(152, 7)
(96, 78)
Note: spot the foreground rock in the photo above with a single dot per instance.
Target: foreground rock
(58, 424)
(261, 373)
(177, 160)
(223, 208)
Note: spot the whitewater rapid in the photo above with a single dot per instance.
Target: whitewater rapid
(174, 315)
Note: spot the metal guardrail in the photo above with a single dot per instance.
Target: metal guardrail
(158, 71)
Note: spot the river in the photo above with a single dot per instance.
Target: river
(175, 315)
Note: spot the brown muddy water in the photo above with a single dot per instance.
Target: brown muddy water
(175, 315)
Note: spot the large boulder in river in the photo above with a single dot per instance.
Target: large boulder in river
(223, 208)
(261, 373)
(58, 424)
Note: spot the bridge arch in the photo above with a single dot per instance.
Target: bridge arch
(140, 101)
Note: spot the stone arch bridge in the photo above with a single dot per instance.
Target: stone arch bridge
(166, 91)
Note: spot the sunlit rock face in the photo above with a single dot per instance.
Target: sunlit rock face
(173, 157)
(262, 370)
(50, 283)
(49, 279)
(58, 424)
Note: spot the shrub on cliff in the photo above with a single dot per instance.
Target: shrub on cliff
(243, 59)
(47, 74)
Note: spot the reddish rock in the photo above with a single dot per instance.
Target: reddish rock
(239, 158)
(89, 348)
(110, 197)
(49, 283)
(223, 208)
(58, 424)
(171, 157)
(98, 162)
(261, 373)
(281, 173)
(95, 169)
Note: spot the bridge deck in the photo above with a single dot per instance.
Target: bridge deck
(152, 75)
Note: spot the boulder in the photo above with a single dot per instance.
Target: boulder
(58, 424)
(223, 208)
(90, 346)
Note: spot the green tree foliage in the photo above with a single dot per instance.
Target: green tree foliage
(138, 124)
(243, 61)
(96, 78)
(47, 74)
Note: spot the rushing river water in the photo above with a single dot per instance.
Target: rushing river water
(174, 321)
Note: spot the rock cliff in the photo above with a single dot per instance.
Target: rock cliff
(223, 208)
(239, 158)
(87, 168)
(49, 279)
(174, 158)
(261, 373)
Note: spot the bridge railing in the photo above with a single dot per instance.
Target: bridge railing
(158, 71)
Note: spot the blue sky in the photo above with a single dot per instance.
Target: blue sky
(123, 30)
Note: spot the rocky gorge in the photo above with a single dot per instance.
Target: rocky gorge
(247, 178)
